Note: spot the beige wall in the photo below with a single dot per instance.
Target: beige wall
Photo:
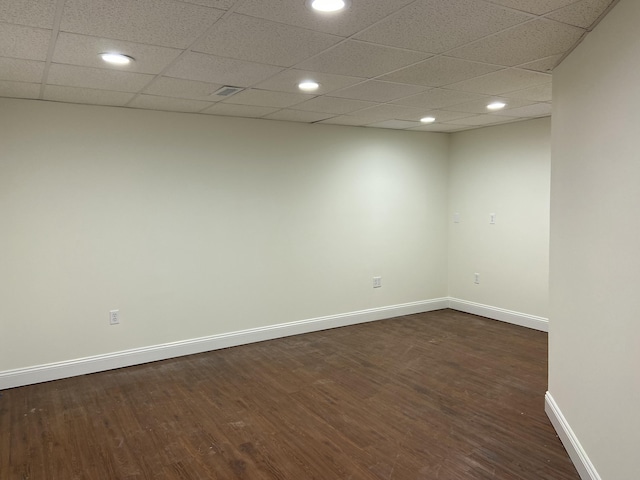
(594, 370)
(503, 170)
(194, 225)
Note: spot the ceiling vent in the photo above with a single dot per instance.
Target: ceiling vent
(226, 91)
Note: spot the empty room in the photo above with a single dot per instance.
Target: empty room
(319, 239)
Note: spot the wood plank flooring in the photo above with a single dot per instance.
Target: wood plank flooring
(439, 395)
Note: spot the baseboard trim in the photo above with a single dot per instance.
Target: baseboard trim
(137, 356)
(495, 313)
(571, 443)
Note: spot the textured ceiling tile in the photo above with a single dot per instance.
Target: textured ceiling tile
(438, 98)
(258, 40)
(539, 93)
(230, 110)
(480, 106)
(267, 98)
(361, 59)
(535, 110)
(346, 23)
(439, 71)
(73, 76)
(445, 116)
(288, 80)
(221, 4)
(391, 112)
(501, 82)
(298, 116)
(19, 89)
(376, 91)
(225, 71)
(83, 50)
(539, 7)
(333, 105)
(440, 128)
(21, 70)
(179, 88)
(523, 43)
(89, 96)
(582, 14)
(479, 120)
(151, 102)
(350, 120)
(157, 22)
(435, 26)
(394, 124)
(546, 64)
(33, 13)
(24, 42)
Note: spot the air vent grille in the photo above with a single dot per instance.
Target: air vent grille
(227, 91)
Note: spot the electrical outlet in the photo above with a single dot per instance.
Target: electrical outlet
(114, 317)
(492, 218)
(377, 282)
(476, 278)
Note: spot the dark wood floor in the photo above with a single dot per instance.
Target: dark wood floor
(440, 395)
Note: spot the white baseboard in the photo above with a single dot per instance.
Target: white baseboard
(136, 356)
(495, 313)
(571, 443)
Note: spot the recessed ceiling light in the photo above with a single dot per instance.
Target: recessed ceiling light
(308, 86)
(428, 119)
(116, 58)
(328, 5)
(496, 106)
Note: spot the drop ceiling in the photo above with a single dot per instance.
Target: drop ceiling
(380, 63)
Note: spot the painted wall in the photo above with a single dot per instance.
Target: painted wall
(503, 170)
(194, 225)
(594, 369)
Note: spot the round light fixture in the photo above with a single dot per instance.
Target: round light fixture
(428, 119)
(328, 6)
(116, 58)
(496, 106)
(308, 86)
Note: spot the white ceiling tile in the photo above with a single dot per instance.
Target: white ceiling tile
(391, 112)
(267, 98)
(21, 70)
(535, 110)
(546, 64)
(501, 82)
(480, 106)
(24, 42)
(221, 4)
(33, 13)
(230, 110)
(225, 71)
(582, 14)
(179, 88)
(539, 93)
(333, 105)
(83, 50)
(350, 120)
(166, 23)
(440, 128)
(19, 89)
(96, 78)
(89, 96)
(298, 116)
(479, 120)
(394, 124)
(538, 7)
(152, 102)
(361, 59)
(435, 26)
(259, 40)
(445, 115)
(438, 98)
(523, 43)
(377, 91)
(288, 80)
(439, 71)
(360, 15)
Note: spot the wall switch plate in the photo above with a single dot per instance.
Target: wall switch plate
(456, 218)
(114, 317)
(476, 278)
(377, 282)
(492, 218)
